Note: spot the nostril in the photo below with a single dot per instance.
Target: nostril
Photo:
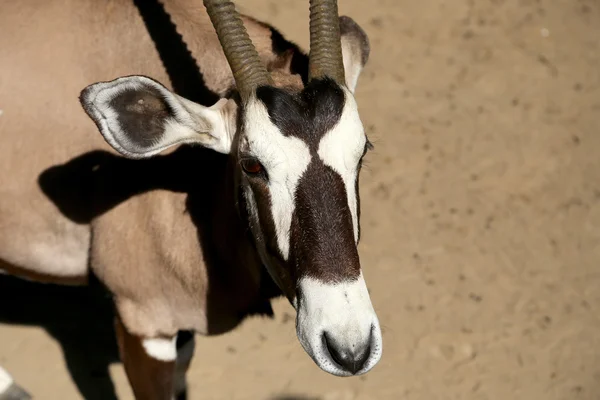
(337, 356)
(351, 359)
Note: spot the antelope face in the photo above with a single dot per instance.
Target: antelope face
(298, 155)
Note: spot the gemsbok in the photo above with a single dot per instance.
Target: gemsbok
(239, 180)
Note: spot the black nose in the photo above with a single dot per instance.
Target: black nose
(351, 358)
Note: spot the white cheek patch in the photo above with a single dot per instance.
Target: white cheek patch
(341, 149)
(285, 159)
(345, 312)
(161, 349)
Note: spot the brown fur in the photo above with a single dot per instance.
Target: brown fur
(140, 367)
(131, 244)
(163, 234)
(160, 234)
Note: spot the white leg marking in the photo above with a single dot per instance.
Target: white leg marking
(161, 349)
(285, 159)
(342, 310)
(6, 380)
(341, 149)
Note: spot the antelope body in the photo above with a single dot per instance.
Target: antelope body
(240, 187)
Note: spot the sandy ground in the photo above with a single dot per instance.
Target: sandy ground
(481, 218)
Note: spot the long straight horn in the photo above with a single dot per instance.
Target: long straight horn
(248, 70)
(326, 58)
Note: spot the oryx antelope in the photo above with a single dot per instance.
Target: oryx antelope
(254, 182)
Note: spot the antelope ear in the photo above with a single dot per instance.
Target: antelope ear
(355, 50)
(139, 117)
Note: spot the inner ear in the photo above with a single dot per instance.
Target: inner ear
(142, 113)
(139, 117)
(355, 50)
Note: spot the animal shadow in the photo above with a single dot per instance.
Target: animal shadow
(80, 319)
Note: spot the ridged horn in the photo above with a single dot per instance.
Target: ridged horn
(326, 58)
(248, 70)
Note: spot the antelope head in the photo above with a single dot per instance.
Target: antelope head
(297, 155)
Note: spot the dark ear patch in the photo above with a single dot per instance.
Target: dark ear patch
(350, 29)
(142, 114)
(139, 117)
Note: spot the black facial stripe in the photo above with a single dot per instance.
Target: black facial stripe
(322, 233)
(368, 146)
(308, 115)
(262, 199)
(357, 205)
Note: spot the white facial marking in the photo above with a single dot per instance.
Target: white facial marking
(342, 310)
(161, 349)
(6, 380)
(285, 160)
(341, 149)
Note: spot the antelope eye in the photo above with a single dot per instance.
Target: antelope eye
(251, 166)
